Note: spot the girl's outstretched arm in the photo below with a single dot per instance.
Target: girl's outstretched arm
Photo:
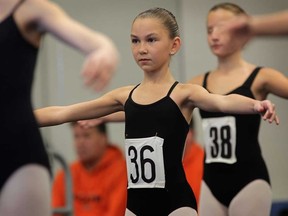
(105, 105)
(101, 54)
(232, 103)
(262, 25)
(114, 117)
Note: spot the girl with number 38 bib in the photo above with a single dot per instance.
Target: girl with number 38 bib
(157, 115)
(236, 180)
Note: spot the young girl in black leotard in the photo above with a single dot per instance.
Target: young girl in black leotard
(236, 180)
(24, 165)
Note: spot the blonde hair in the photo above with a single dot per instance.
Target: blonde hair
(234, 8)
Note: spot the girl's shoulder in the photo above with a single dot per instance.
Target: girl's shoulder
(185, 90)
(34, 13)
(125, 89)
(267, 75)
(121, 93)
(267, 71)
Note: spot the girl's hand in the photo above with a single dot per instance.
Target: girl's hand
(100, 66)
(90, 123)
(267, 110)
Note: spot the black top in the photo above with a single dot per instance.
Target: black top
(232, 152)
(247, 125)
(165, 120)
(20, 138)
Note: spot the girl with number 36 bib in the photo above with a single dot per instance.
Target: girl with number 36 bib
(157, 115)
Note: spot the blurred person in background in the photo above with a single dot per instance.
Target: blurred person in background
(193, 161)
(99, 176)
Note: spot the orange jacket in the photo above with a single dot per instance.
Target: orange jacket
(193, 167)
(102, 191)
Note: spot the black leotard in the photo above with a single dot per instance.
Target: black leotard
(232, 161)
(151, 192)
(20, 139)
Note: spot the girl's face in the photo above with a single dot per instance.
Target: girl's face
(151, 45)
(221, 42)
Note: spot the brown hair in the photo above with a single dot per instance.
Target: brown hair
(167, 18)
(101, 127)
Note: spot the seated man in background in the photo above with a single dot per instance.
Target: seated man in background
(193, 162)
(99, 176)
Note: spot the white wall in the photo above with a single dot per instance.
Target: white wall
(264, 52)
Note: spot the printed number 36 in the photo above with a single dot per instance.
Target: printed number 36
(144, 162)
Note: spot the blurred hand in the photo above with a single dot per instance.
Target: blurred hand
(267, 110)
(100, 66)
(239, 27)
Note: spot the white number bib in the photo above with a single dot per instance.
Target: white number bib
(220, 139)
(145, 164)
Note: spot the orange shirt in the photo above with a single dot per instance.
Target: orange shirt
(102, 191)
(193, 167)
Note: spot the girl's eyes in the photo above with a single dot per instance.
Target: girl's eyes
(149, 40)
(133, 40)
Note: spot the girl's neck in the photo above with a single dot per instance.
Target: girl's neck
(229, 63)
(160, 77)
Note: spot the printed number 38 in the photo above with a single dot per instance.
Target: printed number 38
(221, 143)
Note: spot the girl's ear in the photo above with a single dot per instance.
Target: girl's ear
(175, 45)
